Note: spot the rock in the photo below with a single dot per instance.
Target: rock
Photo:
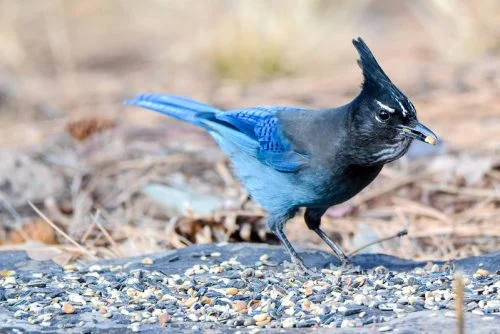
(178, 201)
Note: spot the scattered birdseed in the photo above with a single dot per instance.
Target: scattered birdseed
(238, 295)
(68, 308)
(7, 273)
(482, 272)
(385, 329)
(264, 257)
(95, 268)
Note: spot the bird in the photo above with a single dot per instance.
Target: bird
(290, 158)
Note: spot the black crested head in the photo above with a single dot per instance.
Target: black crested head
(377, 84)
(378, 115)
(382, 120)
(372, 72)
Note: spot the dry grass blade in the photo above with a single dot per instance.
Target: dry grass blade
(420, 209)
(467, 192)
(55, 227)
(113, 244)
(87, 233)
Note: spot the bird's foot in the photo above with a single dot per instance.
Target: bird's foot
(346, 263)
(301, 267)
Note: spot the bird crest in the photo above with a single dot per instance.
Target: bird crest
(376, 80)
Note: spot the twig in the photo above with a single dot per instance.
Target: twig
(89, 230)
(471, 192)
(147, 163)
(55, 227)
(421, 209)
(225, 174)
(399, 234)
(95, 218)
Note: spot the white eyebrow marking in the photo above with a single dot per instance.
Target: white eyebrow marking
(383, 106)
(403, 108)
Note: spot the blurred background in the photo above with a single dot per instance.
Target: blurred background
(120, 181)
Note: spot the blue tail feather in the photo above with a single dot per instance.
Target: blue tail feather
(176, 101)
(175, 106)
(197, 113)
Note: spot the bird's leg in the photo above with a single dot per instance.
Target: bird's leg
(335, 248)
(313, 221)
(277, 226)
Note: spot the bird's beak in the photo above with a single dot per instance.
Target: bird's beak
(420, 132)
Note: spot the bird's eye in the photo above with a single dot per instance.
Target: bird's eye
(383, 115)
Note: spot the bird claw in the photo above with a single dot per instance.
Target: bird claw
(346, 263)
(347, 266)
(300, 265)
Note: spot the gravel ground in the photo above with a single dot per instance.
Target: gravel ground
(244, 287)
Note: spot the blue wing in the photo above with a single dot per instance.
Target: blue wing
(262, 125)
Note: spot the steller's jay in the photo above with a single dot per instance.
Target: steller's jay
(292, 157)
